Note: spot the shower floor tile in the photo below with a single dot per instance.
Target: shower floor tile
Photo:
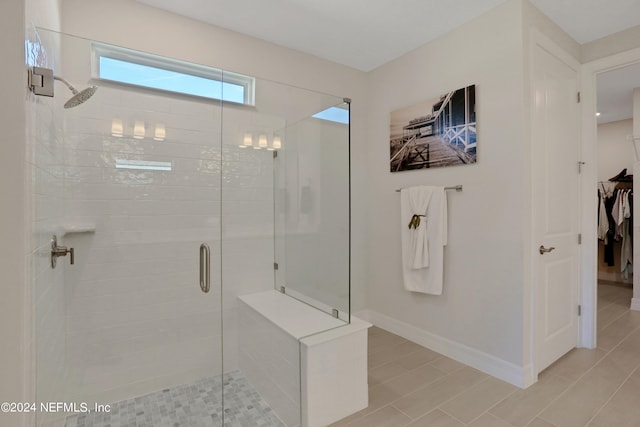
(189, 405)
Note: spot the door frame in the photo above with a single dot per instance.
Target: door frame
(537, 38)
(589, 221)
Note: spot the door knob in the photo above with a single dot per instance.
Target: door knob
(543, 250)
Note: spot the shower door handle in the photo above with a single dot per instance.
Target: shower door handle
(205, 268)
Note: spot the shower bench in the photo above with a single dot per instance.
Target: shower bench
(310, 367)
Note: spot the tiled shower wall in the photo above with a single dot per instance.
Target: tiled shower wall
(136, 319)
(45, 163)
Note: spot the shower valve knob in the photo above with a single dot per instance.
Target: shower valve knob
(58, 251)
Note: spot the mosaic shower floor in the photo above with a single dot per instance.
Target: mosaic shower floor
(189, 405)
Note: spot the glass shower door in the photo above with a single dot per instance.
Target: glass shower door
(177, 206)
(131, 180)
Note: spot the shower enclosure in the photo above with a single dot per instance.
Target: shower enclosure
(157, 190)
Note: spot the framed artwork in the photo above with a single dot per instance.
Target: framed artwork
(435, 133)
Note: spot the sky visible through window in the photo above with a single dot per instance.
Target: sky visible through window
(334, 114)
(158, 78)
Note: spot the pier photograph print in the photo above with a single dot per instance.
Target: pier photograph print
(435, 133)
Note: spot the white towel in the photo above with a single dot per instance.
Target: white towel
(423, 246)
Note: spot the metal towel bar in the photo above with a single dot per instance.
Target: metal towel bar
(455, 187)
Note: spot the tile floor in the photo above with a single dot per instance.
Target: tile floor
(189, 405)
(412, 386)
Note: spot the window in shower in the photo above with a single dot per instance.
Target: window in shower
(336, 114)
(155, 72)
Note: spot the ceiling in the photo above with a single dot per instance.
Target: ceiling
(364, 34)
(361, 34)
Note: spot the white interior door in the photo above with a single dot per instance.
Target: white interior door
(556, 153)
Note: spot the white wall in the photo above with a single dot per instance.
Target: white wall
(43, 13)
(28, 178)
(14, 356)
(481, 306)
(615, 150)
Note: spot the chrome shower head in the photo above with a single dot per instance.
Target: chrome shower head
(78, 96)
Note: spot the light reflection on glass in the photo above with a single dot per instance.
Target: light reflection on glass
(139, 130)
(262, 141)
(247, 141)
(161, 132)
(117, 129)
(143, 165)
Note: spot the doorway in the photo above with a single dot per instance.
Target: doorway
(616, 161)
(607, 145)
(615, 168)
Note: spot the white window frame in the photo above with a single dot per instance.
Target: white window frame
(99, 50)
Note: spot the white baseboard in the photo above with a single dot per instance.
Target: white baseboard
(635, 304)
(528, 377)
(517, 375)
